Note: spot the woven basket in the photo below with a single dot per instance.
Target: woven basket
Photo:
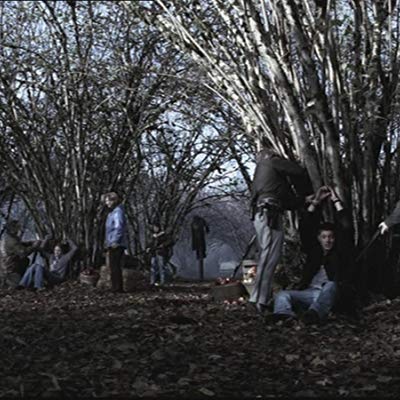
(89, 279)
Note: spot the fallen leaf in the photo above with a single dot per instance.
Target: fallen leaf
(207, 392)
(384, 379)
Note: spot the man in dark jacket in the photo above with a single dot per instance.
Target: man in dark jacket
(272, 194)
(392, 219)
(328, 266)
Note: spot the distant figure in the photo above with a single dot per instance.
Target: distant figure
(115, 239)
(199, 230)
(14, 255)
(54, 273)
(272, 194)
(160, 249)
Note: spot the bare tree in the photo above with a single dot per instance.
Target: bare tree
(316, 79)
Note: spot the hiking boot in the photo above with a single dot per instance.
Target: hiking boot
(311, 317)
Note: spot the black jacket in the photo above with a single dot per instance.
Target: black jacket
(394, 217)
(273, 178)
(339, 262)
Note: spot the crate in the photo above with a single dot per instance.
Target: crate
(228, 291)
(249, 268)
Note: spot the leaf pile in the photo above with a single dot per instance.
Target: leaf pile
(79, 341)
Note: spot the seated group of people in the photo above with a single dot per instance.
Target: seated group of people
(18, 271)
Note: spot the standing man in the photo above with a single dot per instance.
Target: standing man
(199, 228)
(115, 239)
(392, 219)
(272, 194)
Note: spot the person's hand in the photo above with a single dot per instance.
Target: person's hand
(334, 196)
(322, 193)
(36, 244)
(114, 245)
(383, 228)
(308, 199)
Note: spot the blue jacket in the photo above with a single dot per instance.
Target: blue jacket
(116, 228)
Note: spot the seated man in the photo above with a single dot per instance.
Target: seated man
(38, 274)
(14, 255)
(328, 250)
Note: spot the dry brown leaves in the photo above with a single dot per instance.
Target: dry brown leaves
(78, 341)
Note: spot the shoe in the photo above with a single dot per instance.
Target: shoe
(260, 308)
(311, 317)
(281, 319)
(20, 287)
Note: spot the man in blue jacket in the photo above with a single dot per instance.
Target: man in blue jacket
(115, 239)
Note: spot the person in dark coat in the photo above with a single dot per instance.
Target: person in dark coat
(329, 263)
(199, 230)
(391, 220)
(272, 193)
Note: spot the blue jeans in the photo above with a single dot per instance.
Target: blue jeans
(157, 268)
(33, 275)
(319, 300)
(36, 275)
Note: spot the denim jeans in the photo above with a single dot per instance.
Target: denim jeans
(319, 300)
(33, 276)
(36, 275)
(271, 243)
(157, 268)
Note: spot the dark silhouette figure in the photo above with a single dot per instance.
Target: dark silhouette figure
(199, 229)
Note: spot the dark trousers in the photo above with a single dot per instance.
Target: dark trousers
(115, 264)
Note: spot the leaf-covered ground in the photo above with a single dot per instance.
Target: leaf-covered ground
(78, 341)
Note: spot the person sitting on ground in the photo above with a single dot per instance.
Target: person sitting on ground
(14, 255)
(53, 274)
(328, 264)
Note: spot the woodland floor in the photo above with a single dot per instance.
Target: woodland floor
(77, 341)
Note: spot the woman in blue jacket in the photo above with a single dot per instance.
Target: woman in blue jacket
(115, 239)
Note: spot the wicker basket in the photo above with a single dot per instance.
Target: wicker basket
(89, 279)
(229, 291)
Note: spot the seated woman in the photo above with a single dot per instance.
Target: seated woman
(54, 274)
